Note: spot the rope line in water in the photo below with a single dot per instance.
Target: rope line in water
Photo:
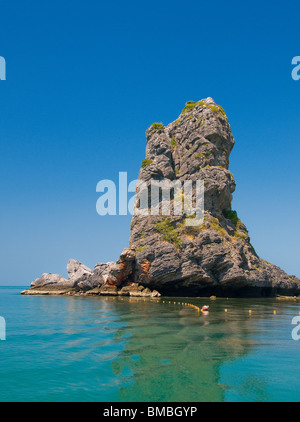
(203, 309)
(190, 305)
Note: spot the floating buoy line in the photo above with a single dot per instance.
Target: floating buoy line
(204, 310)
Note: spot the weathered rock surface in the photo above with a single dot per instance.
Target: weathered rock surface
(166, 255)
(51, 280)
(109, 279)
(217, 256)
(76, 270)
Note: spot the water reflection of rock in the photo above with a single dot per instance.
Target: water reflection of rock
(173, 354)
(159, 351)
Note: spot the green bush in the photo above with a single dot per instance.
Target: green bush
(189, 106)
(146, 162)
(232, 216)
(157, 126)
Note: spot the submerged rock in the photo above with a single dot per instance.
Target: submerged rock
(215, 258)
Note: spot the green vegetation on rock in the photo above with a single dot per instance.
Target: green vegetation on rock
(232, 216)
(140, 248)
(266, 262)
(173, 143)
(214, 108)
(189, 106)
(168, 232)
(157, 126)
(215, 224)
(292, 280)
(240, 235)
(146, 162)
(241, 231)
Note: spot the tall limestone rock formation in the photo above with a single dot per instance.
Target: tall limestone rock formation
(168, 255)
(217, 256)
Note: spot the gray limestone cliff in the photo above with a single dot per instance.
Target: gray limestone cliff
(165, 254)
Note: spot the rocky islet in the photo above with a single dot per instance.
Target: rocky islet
(165, 255)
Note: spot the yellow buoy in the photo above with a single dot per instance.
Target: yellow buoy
(274, 312)
(226, 310)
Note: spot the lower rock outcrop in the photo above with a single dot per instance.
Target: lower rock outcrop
(107, 279)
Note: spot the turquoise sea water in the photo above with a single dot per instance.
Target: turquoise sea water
(128, 349)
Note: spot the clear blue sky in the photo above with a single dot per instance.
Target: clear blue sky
(84, 81)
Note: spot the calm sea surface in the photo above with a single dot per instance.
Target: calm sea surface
(128, 349)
